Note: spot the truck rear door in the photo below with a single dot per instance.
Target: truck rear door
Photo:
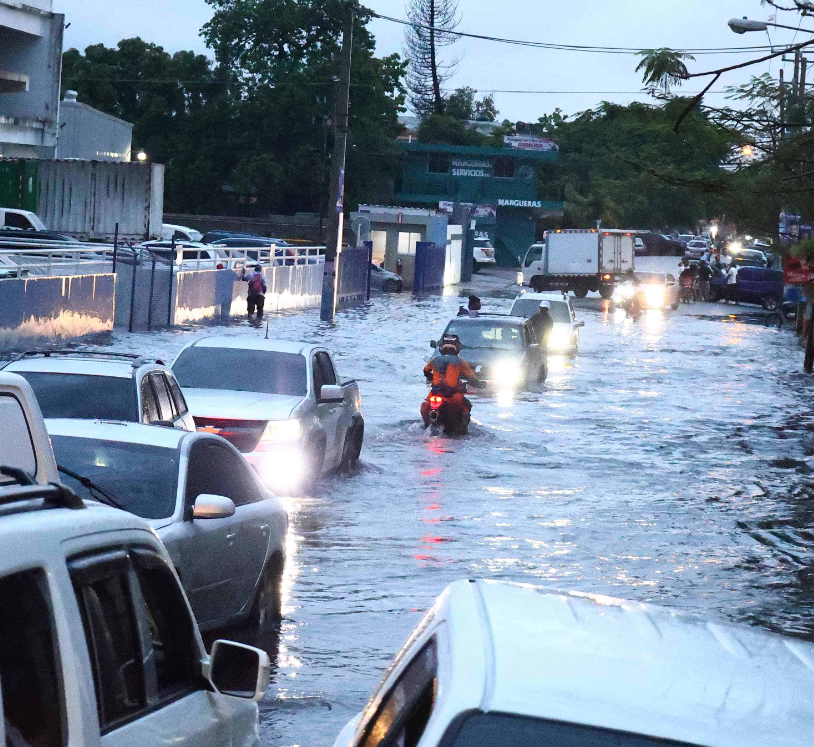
(617, 252)
(573, 253)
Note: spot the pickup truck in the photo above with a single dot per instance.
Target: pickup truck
(280, 403)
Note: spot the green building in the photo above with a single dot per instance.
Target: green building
(503, 183)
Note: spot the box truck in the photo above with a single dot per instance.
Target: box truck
(579, 260)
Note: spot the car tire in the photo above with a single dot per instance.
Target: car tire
(770, 303)
(606, 291)
(536, 285)
(581, 291)
(267, 605)
(352, 448)
(542, 374)
(390, 286)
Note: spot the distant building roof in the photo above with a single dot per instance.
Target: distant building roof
(471, 150)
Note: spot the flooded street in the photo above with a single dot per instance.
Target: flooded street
(669, 461)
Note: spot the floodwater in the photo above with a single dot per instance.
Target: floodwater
(669, 462)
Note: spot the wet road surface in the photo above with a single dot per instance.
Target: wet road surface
(668, 462)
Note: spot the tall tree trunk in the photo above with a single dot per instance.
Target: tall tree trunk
(438, 103)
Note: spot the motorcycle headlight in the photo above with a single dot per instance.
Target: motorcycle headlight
(507, 373)
(655, 295)
(560, 338)
(279, 431)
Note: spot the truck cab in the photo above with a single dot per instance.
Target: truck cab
(21, 220)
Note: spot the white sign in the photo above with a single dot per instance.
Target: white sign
(520, 203)
(526, 142)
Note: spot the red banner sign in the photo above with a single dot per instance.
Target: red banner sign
(797, 271)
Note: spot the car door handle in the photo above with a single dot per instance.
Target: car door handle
(231, 536)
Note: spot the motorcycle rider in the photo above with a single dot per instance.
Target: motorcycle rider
(446, 371)
(543, 323)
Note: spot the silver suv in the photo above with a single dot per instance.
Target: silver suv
(91, 385)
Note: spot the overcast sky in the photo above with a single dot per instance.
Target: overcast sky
(175, 24)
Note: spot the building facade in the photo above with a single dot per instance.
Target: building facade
(30, 69)
(91, 135)
(502, 184)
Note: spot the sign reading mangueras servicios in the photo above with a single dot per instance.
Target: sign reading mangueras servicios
(471, 167)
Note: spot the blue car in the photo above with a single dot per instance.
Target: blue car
(755, 285)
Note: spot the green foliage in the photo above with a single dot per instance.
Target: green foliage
(663, 68)
(461, 104)
(442, 128)
(251, 132)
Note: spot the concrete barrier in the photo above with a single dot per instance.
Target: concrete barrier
(34, 311)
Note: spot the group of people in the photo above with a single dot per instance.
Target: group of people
(694, 278)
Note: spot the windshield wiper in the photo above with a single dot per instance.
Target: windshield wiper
(104, 496)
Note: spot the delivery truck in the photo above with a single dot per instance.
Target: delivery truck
(84, 199)
(579, 260)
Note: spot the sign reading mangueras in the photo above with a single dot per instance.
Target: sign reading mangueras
(527, 142)
(471, 167)
(520, 203)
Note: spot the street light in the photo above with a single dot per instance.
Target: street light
(748, 151)
(744, 25)
(141, 156)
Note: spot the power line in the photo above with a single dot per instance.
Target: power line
(570, 47)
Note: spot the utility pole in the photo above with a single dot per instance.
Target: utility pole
(336, 205)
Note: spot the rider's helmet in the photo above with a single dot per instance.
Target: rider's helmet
(450, 345)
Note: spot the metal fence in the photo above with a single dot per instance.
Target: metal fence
(53, 258)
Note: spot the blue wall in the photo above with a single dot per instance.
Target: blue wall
(34, 311)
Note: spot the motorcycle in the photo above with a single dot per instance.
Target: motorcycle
(453, 417)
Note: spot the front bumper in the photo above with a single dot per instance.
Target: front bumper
(280, 465)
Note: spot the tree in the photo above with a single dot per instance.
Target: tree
(663, 68)
(431, 25)
(462, 105)
(486, 110)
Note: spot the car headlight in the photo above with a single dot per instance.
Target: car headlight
(655, 295)
(507, 373)
(520, 278)
(624, 292)
(560, 338)
(282, 430)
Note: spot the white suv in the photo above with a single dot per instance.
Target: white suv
(564, 337)
(90, 385)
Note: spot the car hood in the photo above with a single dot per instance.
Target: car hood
(489, 356)
(218, 403)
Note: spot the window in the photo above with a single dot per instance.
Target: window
(177, 396)
(103, 592)
(83, 396)
(407, 242)
(438, 163)
(149, 407)
(15, 220)
(498, 730)
(327, 366)
(405, 710)
(32, 695)
(217, 470)
(142, 478)
(241, 370)
(162, 395)
(504, 167)
(535, 254)
(319, 376)
(171, 632)
(486, 334)
(19, 451)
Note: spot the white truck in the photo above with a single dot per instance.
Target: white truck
(579, 260)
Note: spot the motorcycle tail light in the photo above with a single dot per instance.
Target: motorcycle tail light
(436, 401)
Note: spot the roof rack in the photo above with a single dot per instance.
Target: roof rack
(135, 359)
(25, 488)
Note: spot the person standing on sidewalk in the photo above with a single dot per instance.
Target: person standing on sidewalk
(704, 274)
(732, 284)
(257, 291)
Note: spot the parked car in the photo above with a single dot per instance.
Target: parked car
(504, 351)
(638, 246)
(184, 233)
(755, 285)
(696, 249)
(212, 236)
(685, 238)
(280, 403)
(202, 498)
(383, 280)
(483, 253)
(750, 258)
(564, 337)
(98, 644)
(494, 664)
(254, 247)
(24, 442)
(91, 385)
(193, 255)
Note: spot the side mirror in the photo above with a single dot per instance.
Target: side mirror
(239, 670)
(578, 325)
(208, 506)
(433, 344)
(331, 393)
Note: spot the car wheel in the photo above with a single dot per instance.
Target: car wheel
(581, 291)
(770, 303)
(389, 286)
(606, 291)
(475, 267)
(542, 374)
(267, 607)
(536, 285)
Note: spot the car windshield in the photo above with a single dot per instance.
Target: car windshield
(498, 729)
(487, 334)
(64, 395)
(242, 370)
(650, 277)
(142, 478)
(528, 307)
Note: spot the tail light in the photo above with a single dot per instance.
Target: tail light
(436, 401)
(606, 277)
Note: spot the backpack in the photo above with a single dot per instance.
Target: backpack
(257, 285)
